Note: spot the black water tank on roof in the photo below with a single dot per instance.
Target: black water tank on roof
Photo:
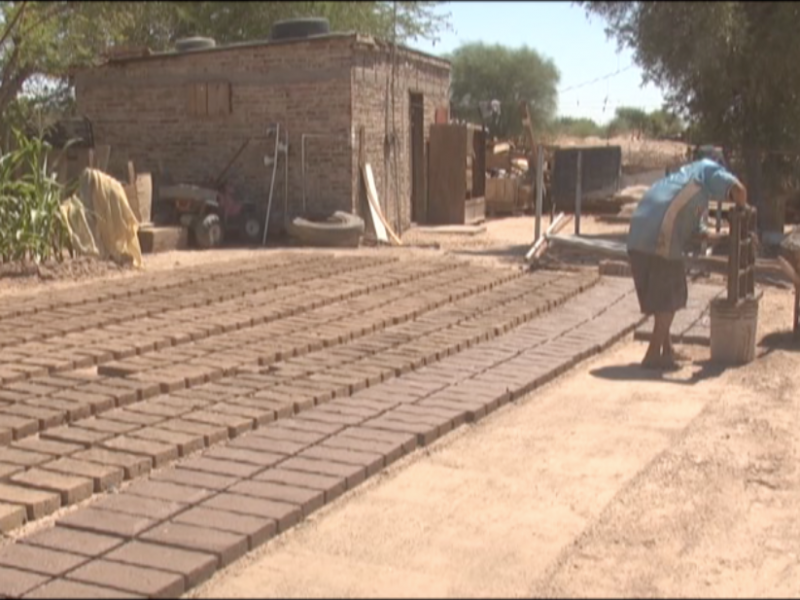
(299, 28)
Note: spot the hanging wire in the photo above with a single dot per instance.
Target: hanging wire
(596, 80)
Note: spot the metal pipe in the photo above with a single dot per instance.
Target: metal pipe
(272, 183)
(578, 194)
(303, 138)
(286, 180)
(539, 191)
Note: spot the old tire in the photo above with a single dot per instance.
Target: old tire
(340, 229)
(194, 43)
(299, 28)
(208, 232)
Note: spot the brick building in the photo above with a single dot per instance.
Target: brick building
(183, 115)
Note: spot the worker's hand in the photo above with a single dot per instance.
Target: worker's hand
(738, 194)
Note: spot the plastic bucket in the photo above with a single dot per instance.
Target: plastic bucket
(733, 331)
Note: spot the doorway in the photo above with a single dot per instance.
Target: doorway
(417, 152)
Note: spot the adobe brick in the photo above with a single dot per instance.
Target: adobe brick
(47, 447)
(306, 426)
(97, 402)
(6, 470)
(43, 561)
(11, 517)
(75, 435)
(257, 529)
(195, 567)
(212, 434)
(46, 418)
(22, 458)
(196, 479)
(106, 522)
(268, 445)
(72, 541)
(73, 410)
(64, 588)
(104, 477)
(132, 465)
(168, 492)
(186, 443)
(37, 503)
(149, 582)
(389, 451)
(352, 474)
(225, 545)
(293, 435)
(284, 514)
(259, 416)
(158, 453)
(426, 434)
(20, 426)
(236, 425)
(104, 425)
(330, 417)
(71, 489)
(243, 455)
(221, 467)
(15, 583)
(306, 499)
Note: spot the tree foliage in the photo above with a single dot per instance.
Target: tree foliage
(728, 67)
(51, 38)
(482, 73)
(658, 124)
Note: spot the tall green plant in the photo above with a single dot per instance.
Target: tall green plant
(31, 224)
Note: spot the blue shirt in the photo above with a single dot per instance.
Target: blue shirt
(671, 212)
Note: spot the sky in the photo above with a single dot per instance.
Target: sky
(563, 32)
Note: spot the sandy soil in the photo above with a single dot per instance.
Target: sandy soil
(504, 244)
(607, 483)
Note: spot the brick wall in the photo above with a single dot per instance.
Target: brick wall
(140, 109)
(329, 86)
(415, 73)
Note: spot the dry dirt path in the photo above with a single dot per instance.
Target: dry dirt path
(607, 482)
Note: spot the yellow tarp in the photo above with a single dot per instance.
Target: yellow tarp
(101, 221)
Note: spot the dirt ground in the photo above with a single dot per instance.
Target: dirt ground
(609, 482)
(504, 244)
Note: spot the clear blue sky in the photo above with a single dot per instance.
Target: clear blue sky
(563, 32)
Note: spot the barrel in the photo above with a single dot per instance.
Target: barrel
(733, 331)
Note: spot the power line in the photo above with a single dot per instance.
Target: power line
(598, 79)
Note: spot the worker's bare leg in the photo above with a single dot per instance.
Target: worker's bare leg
(660, 338)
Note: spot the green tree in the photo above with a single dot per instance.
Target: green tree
(581, 127)
(49, 39)
(482, 73)
(727, 67)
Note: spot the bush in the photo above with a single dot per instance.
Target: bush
(31, 224)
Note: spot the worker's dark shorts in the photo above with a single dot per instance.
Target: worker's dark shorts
(660, 283)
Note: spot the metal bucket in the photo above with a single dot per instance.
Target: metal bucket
(733, 331)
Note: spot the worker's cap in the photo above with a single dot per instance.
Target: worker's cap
(711, 153)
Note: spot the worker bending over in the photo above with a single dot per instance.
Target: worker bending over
(668, 219)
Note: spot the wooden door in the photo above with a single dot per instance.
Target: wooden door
(417, 152)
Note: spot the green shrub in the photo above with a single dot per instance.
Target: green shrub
(31, 224)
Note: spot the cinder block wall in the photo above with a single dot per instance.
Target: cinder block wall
(140, 108)
(416, 73)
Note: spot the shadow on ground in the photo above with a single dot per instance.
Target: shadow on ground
(779, 340)
(513, 253)
(701, 371)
